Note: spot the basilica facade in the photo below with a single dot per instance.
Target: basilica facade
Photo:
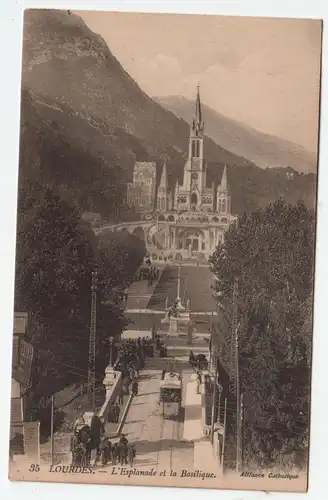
(192, 216)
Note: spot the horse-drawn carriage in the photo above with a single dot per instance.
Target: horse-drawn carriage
(81, 445)
(171, 392)
(85, 439)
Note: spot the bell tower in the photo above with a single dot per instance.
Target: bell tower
(194, 180)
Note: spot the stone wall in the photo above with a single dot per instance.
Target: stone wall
(113, 384)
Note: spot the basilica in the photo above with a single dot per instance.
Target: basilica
(189, 219)
(193, 215)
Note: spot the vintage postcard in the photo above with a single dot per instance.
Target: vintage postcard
(165, 253)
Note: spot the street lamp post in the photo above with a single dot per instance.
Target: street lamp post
(92, 342)
(215, 382)
(111, 348)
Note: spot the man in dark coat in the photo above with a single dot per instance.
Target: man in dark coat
(96, 428)
(120, 398)
(115, 453)
(123, 449)
(117, 412)
(131, 454)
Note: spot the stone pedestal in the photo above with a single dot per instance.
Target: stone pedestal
(179, 325)
(173, 326)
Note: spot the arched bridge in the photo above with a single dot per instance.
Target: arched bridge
(155, 233)
(144, 230)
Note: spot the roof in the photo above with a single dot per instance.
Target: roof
(163, 183)
(170, 384)
(171, 380)
(22, 360)
(223, 187)
(198, 110)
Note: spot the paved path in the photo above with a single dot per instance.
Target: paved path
(159, 441)
(196, 284)
(140, 292)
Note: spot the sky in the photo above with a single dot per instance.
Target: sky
(264, 72)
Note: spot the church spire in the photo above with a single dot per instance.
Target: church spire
(164, 184)
(224, 182)
(198, 123)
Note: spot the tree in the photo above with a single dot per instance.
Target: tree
(271, 254)
(55, 256)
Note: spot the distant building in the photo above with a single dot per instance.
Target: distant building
(93, 218)
(141, 191)
(24, 434)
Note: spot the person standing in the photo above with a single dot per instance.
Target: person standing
(120, 398)
(96, 428)
(123, 450)
(117, 413)
(115, 451)
(131, 454)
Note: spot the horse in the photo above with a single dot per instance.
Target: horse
(105, 452)
(79, 455)
(86, 442)
(115, 453)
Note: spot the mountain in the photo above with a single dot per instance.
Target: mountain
(84, 121)
(262, 149)
(63, 58)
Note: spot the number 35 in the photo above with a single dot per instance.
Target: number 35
(34, 468)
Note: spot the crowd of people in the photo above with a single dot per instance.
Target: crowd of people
(87, 438)
(150, 273)
(162, 256)
(160, 347)
(121, 452)
(130, 359)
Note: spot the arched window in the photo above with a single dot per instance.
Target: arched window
(193, 149)
(224, 207)
(193, 199)
(162, 203)
(197, 149)
(219, 205)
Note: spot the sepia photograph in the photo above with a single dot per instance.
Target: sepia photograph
(165, 250)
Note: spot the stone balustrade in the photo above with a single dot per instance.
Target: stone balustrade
(113, 385)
